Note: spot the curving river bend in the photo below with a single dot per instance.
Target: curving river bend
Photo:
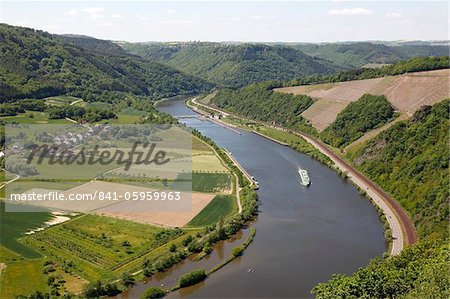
(304, 235)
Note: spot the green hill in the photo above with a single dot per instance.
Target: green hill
(93, 44)
(410, 161)
(37, 64)
(258, 101)
(358, 117)
(361, 53)
(233, 65)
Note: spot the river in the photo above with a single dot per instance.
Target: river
(303, 235)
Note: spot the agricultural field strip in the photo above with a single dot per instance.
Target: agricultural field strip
(118, 261)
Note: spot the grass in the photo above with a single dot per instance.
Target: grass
(60, 177)
(207, 182)
(280, 135)
(98, 245)
(198, 145)
(220, 206)
(7, 256)
(37, 118)
(100, 105)
(14, 225)
(61, 100)
(129, 116)
(24, 277)
(208, 163)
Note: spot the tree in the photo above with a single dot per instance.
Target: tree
(127, 280)
(192, 278)
(173, 248)
(152, 293)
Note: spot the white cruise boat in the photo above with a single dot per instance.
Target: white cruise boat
(304, 177)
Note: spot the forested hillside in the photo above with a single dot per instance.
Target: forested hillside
(401, 67)
(361, 53)
(93, 44)
(258, 101)
(411, 161)
(358, 117)
(37, 64)
(419, 272)
(233, 65)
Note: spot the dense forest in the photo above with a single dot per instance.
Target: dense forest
(258, 101)
(233, 65)
(402, 67)
(93, 44)
(419, 272)
(37, 64)
(411, 161)
(361, 53)
(357, 118)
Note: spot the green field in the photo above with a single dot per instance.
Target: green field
(207, 163)
(280, 135)
(99, 245)
(33, 117)
(14, 225)
(99, 105)
(207, 182)
(7, 255)
(58, 177)
(22, 277)
(220, 206)
(129, 116)
(61, 100)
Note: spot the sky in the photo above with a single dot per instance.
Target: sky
(268, 21)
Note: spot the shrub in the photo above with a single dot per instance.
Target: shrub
(237, 251)
(192, 278)
(153, 293)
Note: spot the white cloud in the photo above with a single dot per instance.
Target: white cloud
(177, 22)
(93, 10)
(116, 16)
(393, 15)
(357, 11)
(94, 13)
(142, 18)
(72, 12)
(106, 24)
(170, 11)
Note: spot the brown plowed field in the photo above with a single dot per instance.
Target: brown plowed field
(407, 93)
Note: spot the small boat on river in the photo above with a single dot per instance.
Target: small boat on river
(304, 177)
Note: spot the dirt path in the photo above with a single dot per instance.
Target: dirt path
(74, 102)
(403, 231)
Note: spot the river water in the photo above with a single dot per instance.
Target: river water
(303, 235)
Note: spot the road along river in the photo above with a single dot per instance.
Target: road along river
(304, 235)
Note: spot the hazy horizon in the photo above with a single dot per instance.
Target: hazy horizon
(256, 22)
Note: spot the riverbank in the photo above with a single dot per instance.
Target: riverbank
(403, 231)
